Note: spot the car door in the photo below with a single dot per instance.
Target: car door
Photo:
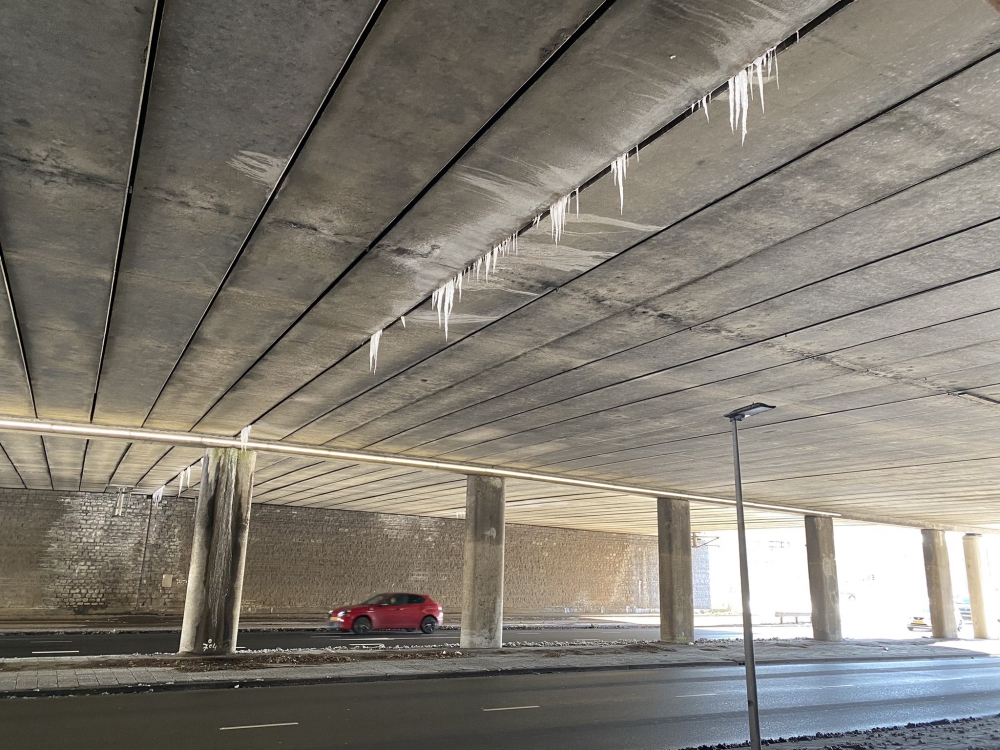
(413, 612)
(392, 611)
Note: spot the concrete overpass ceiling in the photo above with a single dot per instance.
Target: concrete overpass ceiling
(306, 175)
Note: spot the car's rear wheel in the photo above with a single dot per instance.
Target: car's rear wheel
(428, 624)
(362, 625)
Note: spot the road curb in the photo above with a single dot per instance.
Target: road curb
(229, 684)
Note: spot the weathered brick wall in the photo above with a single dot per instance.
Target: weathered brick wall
(71, 552)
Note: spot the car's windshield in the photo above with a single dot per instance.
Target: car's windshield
(375, 599)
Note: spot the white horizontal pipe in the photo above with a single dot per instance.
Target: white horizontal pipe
(193, 439)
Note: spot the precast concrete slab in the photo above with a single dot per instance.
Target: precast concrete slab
(307, 177)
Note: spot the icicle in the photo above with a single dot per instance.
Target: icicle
(244, 437)
(373, 350)
(618, 169)
(534, 222)
(443, 300)
(576, 194)
(557, 215)
(701, 104)
(187, 476)
(180, 483)
(402, 319)
(741, 89)
(158, 494)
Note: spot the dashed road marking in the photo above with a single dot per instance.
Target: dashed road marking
(55, 652)
(261, 726)
(696, 695)
(510, 708)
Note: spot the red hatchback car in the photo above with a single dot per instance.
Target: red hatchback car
(389, 612)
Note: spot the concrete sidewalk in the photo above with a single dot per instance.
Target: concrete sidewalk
(69, 675)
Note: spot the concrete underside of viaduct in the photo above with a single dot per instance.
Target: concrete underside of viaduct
(841, 264)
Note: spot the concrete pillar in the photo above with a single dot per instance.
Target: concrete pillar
(938, 571)
(482, 579)
(823, 588)
(218, 553)
(673, 518)
(977, 599)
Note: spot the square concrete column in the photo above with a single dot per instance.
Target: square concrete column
(823, 587)
(673, 523)
(218, 553)
(482, 579)
(977, 599)
(938, 572)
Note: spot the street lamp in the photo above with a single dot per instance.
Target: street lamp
(751, 668)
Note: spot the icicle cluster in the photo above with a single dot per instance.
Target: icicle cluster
(184, 478)
(158, 494)
(741, 89)
(619, 168)
(443, 298)
(244, 437)
(701, 104)
(373, 350)
(557, 215)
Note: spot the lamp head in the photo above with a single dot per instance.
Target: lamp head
(748, 411)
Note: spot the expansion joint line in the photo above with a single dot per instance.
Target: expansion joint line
(133, 167)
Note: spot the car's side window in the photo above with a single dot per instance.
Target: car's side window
(414, 599)
(397, 599)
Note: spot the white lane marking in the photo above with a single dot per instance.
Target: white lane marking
(55, 652)
(262, 726)
(51, 641)
(696, 695)
(510, 708)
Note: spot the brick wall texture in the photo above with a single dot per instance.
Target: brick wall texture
(85, 552)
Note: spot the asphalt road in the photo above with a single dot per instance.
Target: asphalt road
(661, 708)
(97, 644)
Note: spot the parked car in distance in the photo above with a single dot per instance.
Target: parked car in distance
(388, 612)
(922, 620)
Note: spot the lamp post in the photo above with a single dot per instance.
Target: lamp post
(751, 668)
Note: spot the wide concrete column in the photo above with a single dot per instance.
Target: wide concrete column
(673, 520)
(977, 599)
(482, 580)
(939, 592)
(823, 587)
(218, 553)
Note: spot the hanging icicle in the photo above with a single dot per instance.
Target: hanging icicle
(180, 483)
(557, 215)
(741, 89)
(158, 494)
(373, 350)
(701, 104)
(619, 167)
(244, 437)
(402, 319)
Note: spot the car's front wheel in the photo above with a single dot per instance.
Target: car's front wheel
(362, 625)
(428, 624)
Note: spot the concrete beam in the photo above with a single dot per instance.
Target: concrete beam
(977, 599)
(218, 553)
(676, 587)
(939, 592)
(823, 586)
(482, 582)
